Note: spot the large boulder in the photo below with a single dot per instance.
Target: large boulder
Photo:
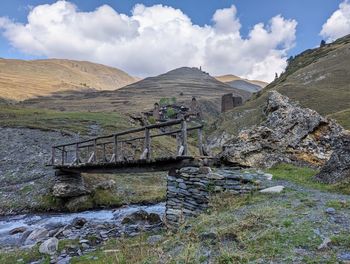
(49, 246)
(36, 236)
(337, 169)
(290, 133)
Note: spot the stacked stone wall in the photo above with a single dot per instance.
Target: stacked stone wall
(189, 190)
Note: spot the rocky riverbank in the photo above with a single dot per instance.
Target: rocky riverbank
(85, 230)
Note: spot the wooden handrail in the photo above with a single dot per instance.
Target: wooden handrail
(116, 153)
(130, 131)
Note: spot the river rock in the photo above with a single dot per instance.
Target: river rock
(17, 230)
(79, 222)
(290, 133)
(49, 246)
(337, 169)
(141, 216)
(330, 211)
(36, 236)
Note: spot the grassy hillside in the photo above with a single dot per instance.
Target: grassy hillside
(182, 83)
(21, 79)
(76, 122)
(319, 79)
(231, 78)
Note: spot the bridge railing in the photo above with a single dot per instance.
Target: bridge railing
(117, 147)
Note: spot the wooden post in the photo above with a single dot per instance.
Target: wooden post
(88, 154)
(77, 153)
(148, 144)
(184, 137)
(122, 151)
(104, 152)
(95, 150)
(200, 141)
(63, 154)
(178, 142)
(53, 156)
(115, 149)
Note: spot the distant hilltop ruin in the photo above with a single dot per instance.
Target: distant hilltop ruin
(168, 108)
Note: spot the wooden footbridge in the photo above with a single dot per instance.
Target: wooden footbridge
(131, 150)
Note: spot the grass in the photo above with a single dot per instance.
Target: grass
(305, 176)
(77, 122)
(343, 118)
(20, 256)
(129, 188)
(247, 229)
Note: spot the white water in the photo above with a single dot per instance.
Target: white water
(36, 221)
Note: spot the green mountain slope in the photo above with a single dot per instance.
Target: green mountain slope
(319, 79)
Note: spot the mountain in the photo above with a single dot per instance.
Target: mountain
(244, 85)
(251, 86)
(182, 83)
(318, 78)
(230, 78)
(20, 79)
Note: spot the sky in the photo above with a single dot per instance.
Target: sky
(249, 38)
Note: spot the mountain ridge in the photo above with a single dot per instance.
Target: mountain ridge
(21, 79)
(182, 83)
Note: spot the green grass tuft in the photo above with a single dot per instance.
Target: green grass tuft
(305, 176)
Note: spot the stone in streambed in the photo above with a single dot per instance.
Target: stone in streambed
(17, 230)
(49, 246)
(36, 236)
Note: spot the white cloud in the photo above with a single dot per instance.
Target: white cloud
(338, 25)
(153, 39)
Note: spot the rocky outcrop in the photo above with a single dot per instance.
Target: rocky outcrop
(337, 169)
(290, 133)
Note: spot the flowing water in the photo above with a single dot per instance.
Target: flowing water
(50, 221)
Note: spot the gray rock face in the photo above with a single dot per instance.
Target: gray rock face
(337, 169)
(289, 134)
(49, 246)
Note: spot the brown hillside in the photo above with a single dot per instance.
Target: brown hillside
(182, 83)
(20, 80)
(230, 78)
